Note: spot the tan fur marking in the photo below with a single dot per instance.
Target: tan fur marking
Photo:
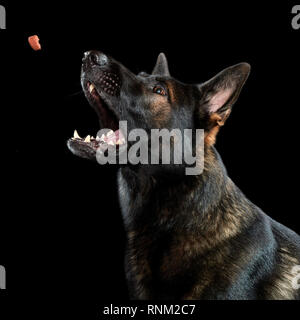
(210, 137)
(161, 110)
(280, 287)
(216, 121)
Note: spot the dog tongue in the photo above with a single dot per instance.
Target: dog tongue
(114, 137)
(118, 134)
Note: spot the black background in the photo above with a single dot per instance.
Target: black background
(61, 229)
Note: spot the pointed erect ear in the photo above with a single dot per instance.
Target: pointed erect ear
(161, 68)
(218, 96)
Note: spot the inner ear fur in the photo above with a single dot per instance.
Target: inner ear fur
(218, 95)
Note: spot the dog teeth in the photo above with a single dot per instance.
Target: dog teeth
(76, 135)
(87, 139)
(91, 88)
(121, 141)
(109, 138)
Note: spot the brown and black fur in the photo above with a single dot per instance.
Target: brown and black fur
(189, 237)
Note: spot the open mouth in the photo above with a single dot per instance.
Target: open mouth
(110, 138)
(100, 97)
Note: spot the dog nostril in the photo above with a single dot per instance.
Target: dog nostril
(94, 58)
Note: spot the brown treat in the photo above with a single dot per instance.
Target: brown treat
(34, 42)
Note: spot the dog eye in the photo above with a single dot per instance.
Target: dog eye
(159, 90)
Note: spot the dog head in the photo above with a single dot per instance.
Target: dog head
(153, 101)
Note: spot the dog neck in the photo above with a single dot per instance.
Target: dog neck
(192, 203)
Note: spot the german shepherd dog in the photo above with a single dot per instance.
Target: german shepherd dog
(188, 236)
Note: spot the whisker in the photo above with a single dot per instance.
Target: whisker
(75, 93)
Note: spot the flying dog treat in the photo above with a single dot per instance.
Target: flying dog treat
(34, 42)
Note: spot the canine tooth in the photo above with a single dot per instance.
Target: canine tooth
(91, 88)
(87, 139)
(76, 135)
(109, 133)
(97, 138)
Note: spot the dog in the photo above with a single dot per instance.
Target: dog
(188, 236)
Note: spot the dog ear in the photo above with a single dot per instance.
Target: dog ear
(161, 68)
(218, 96)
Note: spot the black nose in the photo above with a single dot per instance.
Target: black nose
(95, 57)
